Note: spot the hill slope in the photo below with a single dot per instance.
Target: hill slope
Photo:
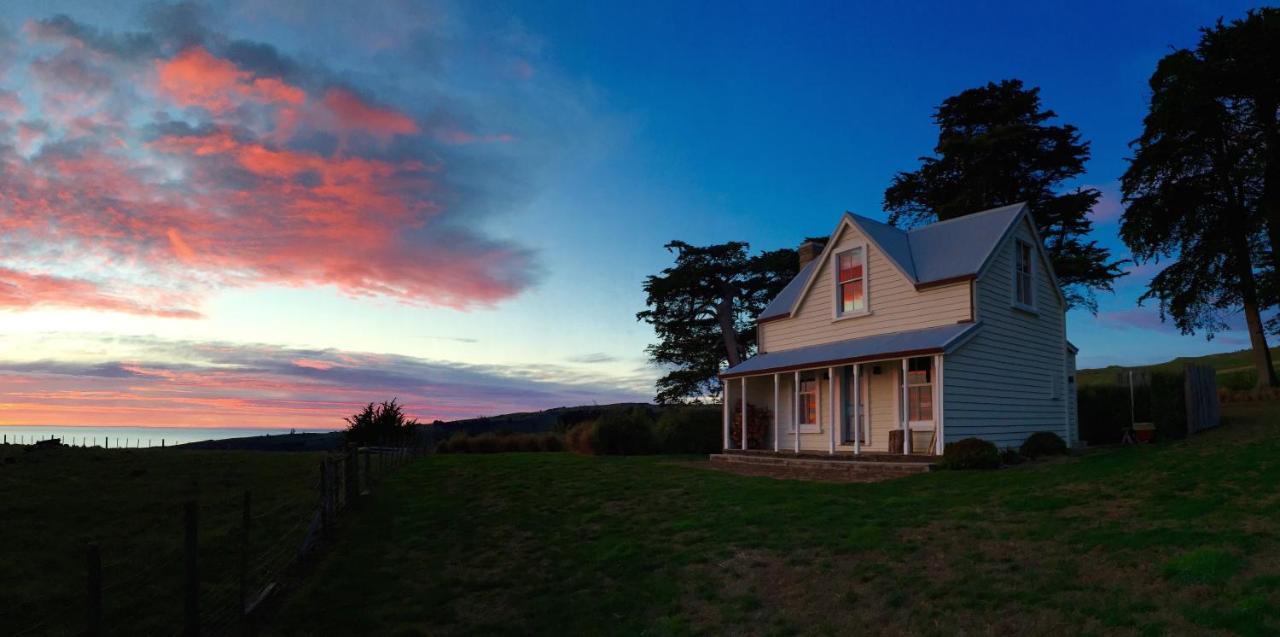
(1235, 369)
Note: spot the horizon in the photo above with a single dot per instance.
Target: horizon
(215, 215)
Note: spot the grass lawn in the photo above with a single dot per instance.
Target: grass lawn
(130, 501)
(1176, 538)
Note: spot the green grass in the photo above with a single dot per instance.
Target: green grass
(52, 503)
(1181, 537)
(1235, 369)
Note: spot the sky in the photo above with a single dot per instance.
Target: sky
(266, 213)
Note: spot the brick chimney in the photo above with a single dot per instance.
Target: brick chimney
(810, 250)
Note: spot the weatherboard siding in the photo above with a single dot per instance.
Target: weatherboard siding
(896, 306)
(1009, 380)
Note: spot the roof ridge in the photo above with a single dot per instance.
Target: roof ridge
(963, 217)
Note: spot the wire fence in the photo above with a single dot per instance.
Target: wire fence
(220, 576)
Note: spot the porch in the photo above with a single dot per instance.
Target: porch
(864, 408)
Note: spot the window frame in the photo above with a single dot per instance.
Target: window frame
(1018, 246)
(837, 309)
(929, 375)
(800, 394)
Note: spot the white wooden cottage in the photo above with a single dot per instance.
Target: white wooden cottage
(943, 332)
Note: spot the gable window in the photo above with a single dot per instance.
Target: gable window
(851, 282)
(808, 401)
(1023, 277)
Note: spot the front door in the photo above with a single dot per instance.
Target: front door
(848, 428)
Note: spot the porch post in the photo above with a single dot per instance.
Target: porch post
(831, 398)
(906, 417)
(725, 403)
(938, 402)
(795, 409)
(777, 431)
(857, 409)
(744, 412)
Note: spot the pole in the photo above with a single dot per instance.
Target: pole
(192, 586)
(94, 563)
(244, 556)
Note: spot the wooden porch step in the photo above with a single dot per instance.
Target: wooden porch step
(810, 463)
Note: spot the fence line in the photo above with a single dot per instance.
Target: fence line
(260, 562)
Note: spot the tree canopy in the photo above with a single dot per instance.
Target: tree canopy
(379, 424)
(1193, 193)
(996, 147)
(703, 309)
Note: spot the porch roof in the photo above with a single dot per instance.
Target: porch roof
(931, 340)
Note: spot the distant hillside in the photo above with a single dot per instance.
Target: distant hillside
(1235, 369)
(523, 422)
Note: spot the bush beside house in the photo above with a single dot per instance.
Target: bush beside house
(623, 431)
(971, 453)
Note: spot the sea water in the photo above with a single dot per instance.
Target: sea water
(134, 436)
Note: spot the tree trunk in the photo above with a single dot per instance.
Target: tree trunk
(1252, 317)
(728, 333)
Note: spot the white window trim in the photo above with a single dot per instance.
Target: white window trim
(1031, 250)
(836, 314)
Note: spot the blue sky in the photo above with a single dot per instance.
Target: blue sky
(551, 149)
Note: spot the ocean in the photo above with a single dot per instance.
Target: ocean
(132, 436)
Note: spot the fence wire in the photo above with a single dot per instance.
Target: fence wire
(242, 580)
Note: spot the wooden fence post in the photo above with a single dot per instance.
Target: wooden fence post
(368, 476)
(353, 477)
(192, 589)
(324, 495)
(244, 558)
(94, 556)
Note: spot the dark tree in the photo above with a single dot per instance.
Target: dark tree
(1243, 60)
(379, 424)
(703, 310)
(995, 148)
(1193, 191)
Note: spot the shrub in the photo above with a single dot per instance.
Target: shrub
(582, 438)
(1043, 443)
(971, 453)
(689, 429)
(495, 443)
(1010, 457)
(624, 432)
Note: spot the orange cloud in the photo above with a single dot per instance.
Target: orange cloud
(354, 114)
(194, 77)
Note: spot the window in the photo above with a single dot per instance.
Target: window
(1024, 281)
(808, 401)
(920, 389)
(851, 286)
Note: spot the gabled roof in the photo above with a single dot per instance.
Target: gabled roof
(932, 340)
(927, 255)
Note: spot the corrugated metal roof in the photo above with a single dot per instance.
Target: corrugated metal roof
(781, 304)
(933, 339)
(927, 254)
(959, 247)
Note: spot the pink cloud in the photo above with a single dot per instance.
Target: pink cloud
(1145, 318)
(351, 113)
(20, 290)
(194, 77)
(1110, 206)
(190, 173)
(266, 386)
